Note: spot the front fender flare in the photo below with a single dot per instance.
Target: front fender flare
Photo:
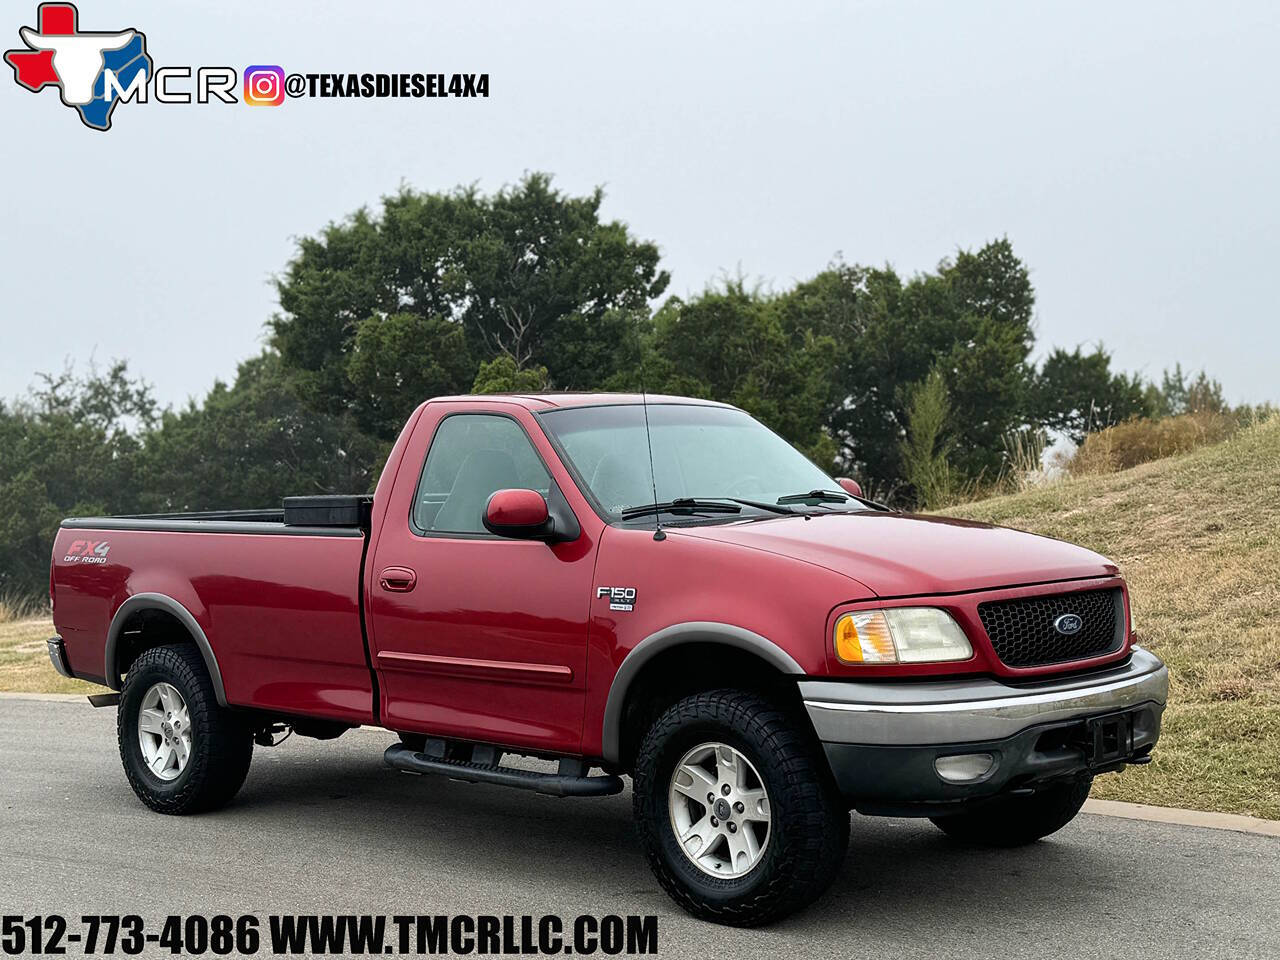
(159, 601)
(699, 631)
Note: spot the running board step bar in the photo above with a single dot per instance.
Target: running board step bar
(484, 767)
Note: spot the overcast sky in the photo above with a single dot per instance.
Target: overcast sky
(1130, 151)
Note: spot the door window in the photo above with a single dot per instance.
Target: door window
(472, 456)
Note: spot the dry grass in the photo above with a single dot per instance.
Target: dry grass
(1198, 538)
(1142, 441)
(24, 658)
(20, 608)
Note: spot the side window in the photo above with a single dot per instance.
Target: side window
(473, 455)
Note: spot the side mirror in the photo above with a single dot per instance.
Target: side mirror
(519, 514)
(850, 486)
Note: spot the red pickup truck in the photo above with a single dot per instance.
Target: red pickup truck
(665, 590)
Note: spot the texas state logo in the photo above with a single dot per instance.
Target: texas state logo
(97, 70)
(90, 68)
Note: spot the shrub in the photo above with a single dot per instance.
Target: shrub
(1142, 440)
(14, 607)
(1024, 461)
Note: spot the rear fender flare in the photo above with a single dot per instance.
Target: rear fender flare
(159, 601)
(678, 634)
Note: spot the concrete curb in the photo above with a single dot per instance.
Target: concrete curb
(1185, 818)
(49, 697)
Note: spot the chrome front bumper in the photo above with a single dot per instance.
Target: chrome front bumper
(963, 711)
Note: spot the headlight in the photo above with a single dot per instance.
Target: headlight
(900, 635)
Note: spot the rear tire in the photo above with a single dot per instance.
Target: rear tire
(800, 829)
(182, 752)
(1017, 821)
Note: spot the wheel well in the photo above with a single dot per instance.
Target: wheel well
(143, 630)
(690, 668)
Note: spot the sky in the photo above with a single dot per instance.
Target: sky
(1130, 152)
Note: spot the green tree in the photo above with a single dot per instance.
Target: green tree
(529, 273)
(971, 321)
(731, 344)
(250, 445)
(1076, 393)
(397, 361)
(926, 447)
(501, 375)
(69, 448)
(1177, 394)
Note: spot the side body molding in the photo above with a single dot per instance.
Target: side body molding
(158, 601)
(698, 631)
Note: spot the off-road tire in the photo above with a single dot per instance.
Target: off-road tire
(1017, 821)
(809, 828)
(222, 742)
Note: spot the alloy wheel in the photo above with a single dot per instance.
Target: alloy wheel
(719, 810)
(164, 731)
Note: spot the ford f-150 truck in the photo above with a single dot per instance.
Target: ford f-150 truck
(665, 590)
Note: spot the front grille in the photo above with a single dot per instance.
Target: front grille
(1023, 634)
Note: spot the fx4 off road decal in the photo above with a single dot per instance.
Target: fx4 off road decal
(87, 551)
(620, 598)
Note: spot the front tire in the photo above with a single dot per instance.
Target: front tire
(182, 752)
(736, 809)
(1018, 821)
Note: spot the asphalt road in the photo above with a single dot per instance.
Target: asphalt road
(326, 828)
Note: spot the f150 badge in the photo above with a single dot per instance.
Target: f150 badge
(620, 598)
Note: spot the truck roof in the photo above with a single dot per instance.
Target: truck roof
(543, 401)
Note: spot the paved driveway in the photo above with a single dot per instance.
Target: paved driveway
(326, 828)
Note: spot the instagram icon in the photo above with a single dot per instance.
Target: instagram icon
(263, 86)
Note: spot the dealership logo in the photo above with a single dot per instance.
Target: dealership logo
(89, 68)
(97, 70)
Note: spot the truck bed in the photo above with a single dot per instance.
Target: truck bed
(279, 603)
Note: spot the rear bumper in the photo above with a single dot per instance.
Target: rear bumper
(58, 656)
(883, 740)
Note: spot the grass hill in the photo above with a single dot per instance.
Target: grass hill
(1197, 537)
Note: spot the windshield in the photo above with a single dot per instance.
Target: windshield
(699, 452)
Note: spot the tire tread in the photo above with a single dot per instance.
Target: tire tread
(221, 752)
(818, 820)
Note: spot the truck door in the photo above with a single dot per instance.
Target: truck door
(477, 636)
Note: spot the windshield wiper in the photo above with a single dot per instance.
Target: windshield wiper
(770, 507)
(681, 505)
(815, 497)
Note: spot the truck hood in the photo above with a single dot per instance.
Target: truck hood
(903, 555)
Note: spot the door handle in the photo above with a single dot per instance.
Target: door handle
(397, 579)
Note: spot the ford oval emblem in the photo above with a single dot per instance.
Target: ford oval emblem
(1068, 624)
